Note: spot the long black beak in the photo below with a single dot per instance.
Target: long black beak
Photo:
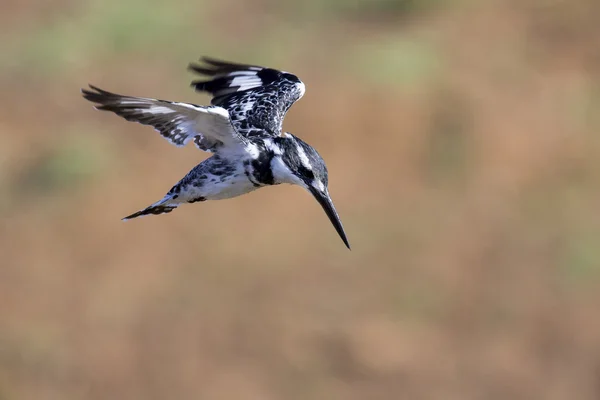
(325, 202)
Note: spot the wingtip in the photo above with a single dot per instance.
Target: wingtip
(85, 91)
(90, 91)
(192, 66)
(215, 61)
(200, 69)
(211, 66)
(207, 59)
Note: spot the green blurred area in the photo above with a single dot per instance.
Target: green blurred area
(462, 143)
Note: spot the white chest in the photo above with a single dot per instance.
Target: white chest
(226, 187)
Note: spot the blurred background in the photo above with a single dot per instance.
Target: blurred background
(462, 144)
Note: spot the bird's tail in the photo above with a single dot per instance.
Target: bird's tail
(166, 205)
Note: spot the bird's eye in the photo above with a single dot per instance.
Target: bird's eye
(306, 173)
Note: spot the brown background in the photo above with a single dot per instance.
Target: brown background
(463, 150)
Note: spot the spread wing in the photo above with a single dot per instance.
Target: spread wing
(256, 98)
(209, 127)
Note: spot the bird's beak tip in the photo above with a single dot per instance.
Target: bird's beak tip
(327, 204)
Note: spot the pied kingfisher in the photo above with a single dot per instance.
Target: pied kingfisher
(242, 127)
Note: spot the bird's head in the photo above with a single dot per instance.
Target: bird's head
(297, 163)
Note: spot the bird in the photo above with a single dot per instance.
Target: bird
(242, 128)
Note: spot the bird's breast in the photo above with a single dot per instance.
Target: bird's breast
(258, 169)
(228, 186)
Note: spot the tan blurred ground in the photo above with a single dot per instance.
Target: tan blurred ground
(463, 149)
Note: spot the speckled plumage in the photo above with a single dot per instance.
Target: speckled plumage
(242, 127)
(258, 112)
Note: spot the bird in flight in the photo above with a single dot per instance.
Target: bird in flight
(242, 128)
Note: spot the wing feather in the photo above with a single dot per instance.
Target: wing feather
(257, 98)
(179, 123)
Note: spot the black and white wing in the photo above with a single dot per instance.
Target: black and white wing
(256, 98)
(209, 127)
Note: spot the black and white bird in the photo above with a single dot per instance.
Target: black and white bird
(242, 127)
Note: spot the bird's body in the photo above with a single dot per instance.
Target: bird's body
(215, 178)
(242, 128)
